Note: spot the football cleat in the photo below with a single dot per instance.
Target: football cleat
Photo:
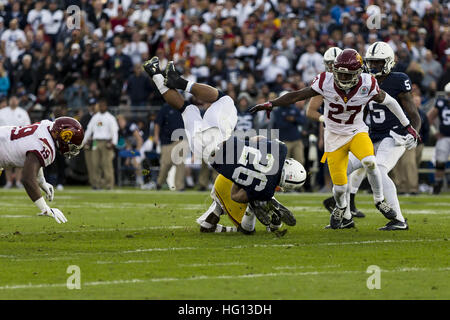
(395, 225)
(275, 223)
(386, 210)
(346, 224)
(356, 213)
(242, 230)
(152, 66)
(173, 79)
(329, 204)
(437, 187)
(336, 217)
(284, 213)
(262, 211)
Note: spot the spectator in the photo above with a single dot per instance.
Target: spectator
(4, 81)
(102, 136)
(39, 16)
(139, 87)
(87, 149)
(287, 121)
(13, 115)
(167, 121)
(11, 37)
(431, 68)
(310, 64)
(273, 65)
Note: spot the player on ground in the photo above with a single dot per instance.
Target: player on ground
(442, 149)
(32, 148)
(256, 166)
(346, 91)
(389, 137)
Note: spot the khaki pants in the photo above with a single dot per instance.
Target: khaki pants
(88, 158)
(405, 174)
(295, 149)
(166, 163)
(103, 169)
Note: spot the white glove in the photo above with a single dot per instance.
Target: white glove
(410, 142)
(55, 213)
(49, 190)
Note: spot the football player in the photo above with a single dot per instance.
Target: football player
(32, 148)
(389, 137)
(442, 149)
(256, 166)
(329, 56)
(345, 92)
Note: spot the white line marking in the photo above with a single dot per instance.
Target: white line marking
(205, 277)
(14, 216)
(127, 261)
(213, 264)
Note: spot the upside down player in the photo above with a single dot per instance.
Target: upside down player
(389, 137)
(33, 147)
(255, 167)
(346, 91)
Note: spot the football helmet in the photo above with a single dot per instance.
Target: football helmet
(380, 58)
(329, 56)
(68, 135)
(293, 175)
(347, 68)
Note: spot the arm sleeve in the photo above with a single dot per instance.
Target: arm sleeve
(396, 109)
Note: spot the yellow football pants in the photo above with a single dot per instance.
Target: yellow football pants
(361, 146)
(222, 191)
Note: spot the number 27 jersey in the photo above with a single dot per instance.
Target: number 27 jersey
(17, 142)
(343, 110)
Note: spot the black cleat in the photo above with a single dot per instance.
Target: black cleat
(346, 224)
(395, 225)
(173, 79)
(356, 213)
(242, 230)
(336, 217)
(329, 204)
(275, 223)
(386, 210)
(262, 211)
(437, 187)
(152, 66)
(284, 213)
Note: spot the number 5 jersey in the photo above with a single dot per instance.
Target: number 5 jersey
(343, 109)
(17, 142)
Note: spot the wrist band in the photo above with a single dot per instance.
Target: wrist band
(41, 204)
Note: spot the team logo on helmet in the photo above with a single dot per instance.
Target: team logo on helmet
(66, 135)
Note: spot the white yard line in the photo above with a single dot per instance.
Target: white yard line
(205, 277)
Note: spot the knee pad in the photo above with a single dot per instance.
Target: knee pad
(440, 166)
(369, 162)
(339, 190)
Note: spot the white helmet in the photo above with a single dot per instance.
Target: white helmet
(293, 175)
(329, 56)
(447, 88)
(380, 51)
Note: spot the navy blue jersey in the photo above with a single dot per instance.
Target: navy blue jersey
(382, 120)
(443, 107)
(254, 166)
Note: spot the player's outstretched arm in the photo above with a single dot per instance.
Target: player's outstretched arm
(286, 99)
(312, 109)
(29, 174)
(406, 100)
(238, 194)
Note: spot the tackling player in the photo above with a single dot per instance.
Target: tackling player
(345, 92)
(256, 166)
(442, 149)
(32, 148)
(389, 137)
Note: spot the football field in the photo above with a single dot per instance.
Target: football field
(133, 244)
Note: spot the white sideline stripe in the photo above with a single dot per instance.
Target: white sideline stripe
(127, 262)
(50, 232)
(14, 216)
(212, 264)
(204, 277)
(41, 257)
(305, 267)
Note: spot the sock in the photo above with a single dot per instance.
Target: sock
(339, 193)
(159, 82)
(390, 193)
(356, 178)
(352, 201)
(248, 221)
(374, 177)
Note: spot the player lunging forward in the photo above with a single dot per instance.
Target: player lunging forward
(389, 137)
(346, 91)
(256, 166)
(32, 148)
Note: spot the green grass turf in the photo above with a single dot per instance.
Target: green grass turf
(133, 244)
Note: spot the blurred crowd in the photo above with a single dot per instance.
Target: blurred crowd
(83, 58)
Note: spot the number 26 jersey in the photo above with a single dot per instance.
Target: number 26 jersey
(343, 110)
(17, 142)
